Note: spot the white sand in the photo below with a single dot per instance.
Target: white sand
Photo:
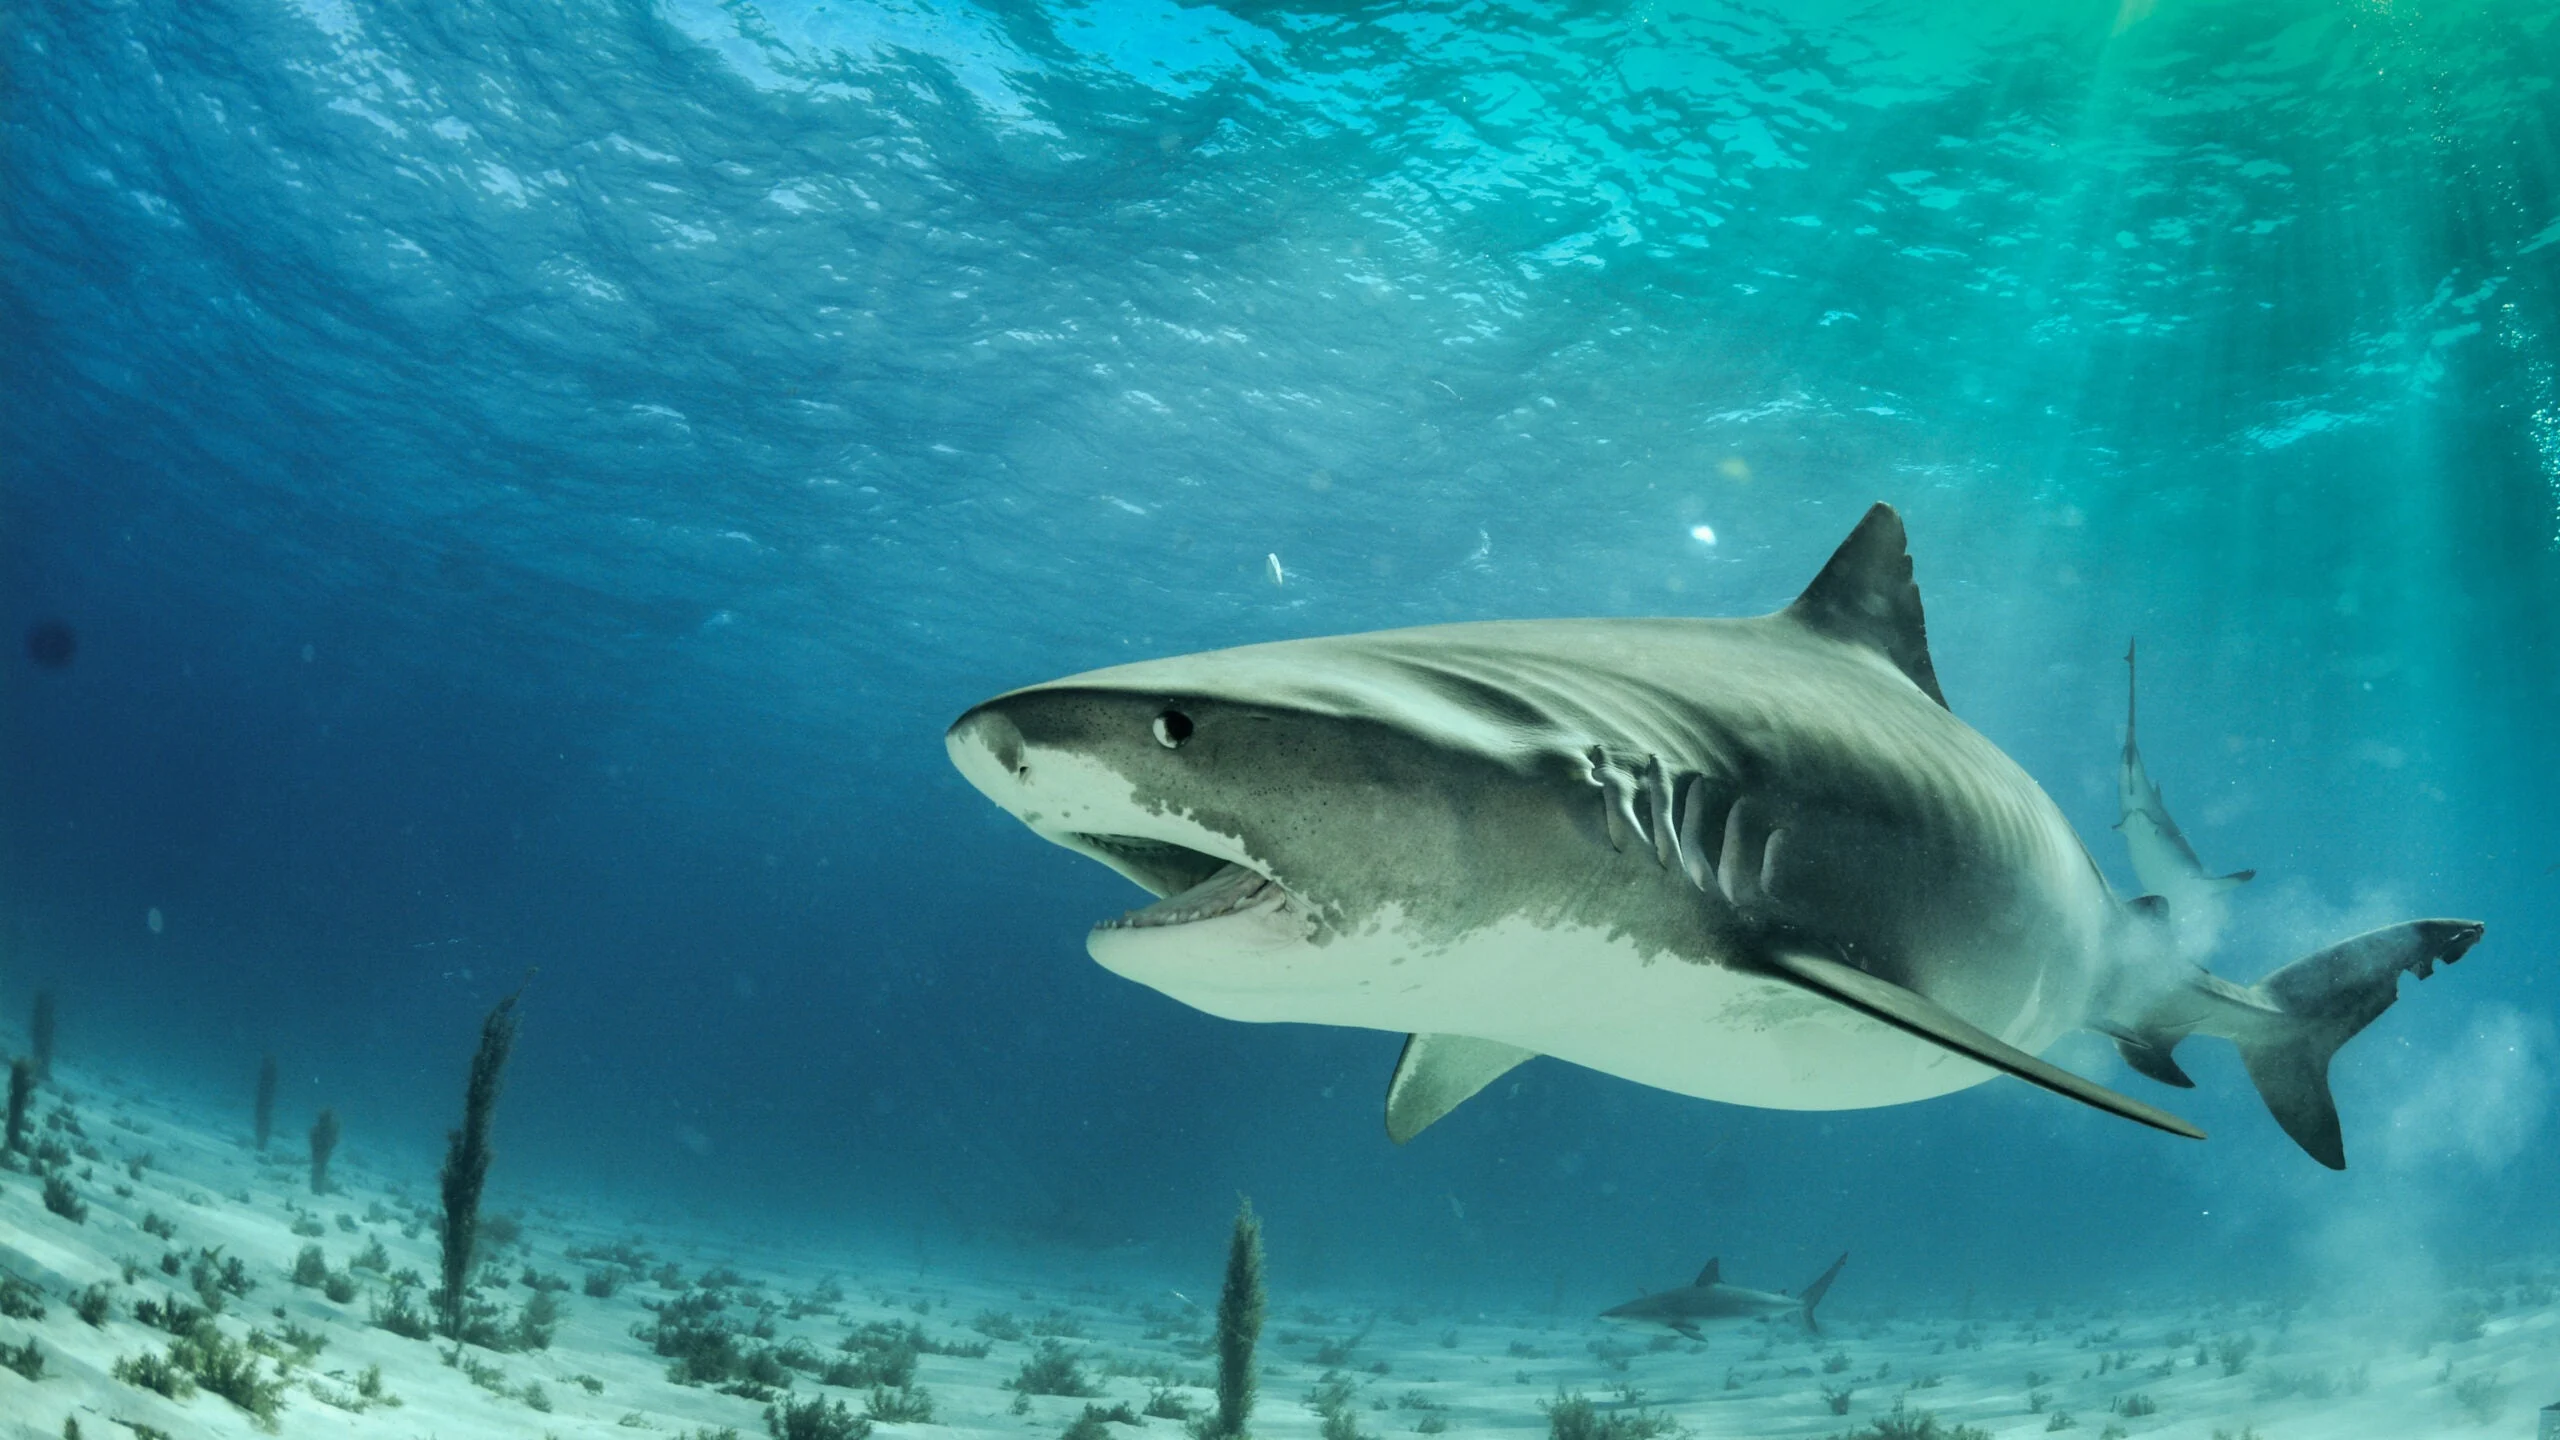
(2369, 1377)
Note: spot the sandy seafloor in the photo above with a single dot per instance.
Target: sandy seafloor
(2481, 1365)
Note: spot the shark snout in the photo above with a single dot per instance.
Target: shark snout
(986, 748)
(988, 732)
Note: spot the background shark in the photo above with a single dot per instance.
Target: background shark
(1708, 1301)
(1753, 860)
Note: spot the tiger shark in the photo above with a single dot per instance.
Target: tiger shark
(1710, 1301)
(1754, 860)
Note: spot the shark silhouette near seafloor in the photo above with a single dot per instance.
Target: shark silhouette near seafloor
(1709, 1300)
(1755, 860)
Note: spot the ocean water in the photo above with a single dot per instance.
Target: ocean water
(526, 486)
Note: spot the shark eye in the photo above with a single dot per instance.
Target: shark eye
(1172, 728)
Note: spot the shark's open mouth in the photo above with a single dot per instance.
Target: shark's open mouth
(1159, 865)
(1231, 891)
(1195, 886)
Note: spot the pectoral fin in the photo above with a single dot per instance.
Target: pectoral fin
(1437, 1073)
(1916, 1014)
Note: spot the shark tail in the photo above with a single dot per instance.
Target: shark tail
(1814, 1292)
(2289, 1025)
(2318, 1003)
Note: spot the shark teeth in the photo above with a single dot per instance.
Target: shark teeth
(1230, 891)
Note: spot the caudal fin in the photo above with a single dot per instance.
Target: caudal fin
(1814, 1292)
(2318, 1003)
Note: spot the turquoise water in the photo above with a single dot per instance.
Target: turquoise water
(529, 484)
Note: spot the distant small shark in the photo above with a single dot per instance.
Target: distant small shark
(1752, 860)
(2162, 859)
(1709, 1301)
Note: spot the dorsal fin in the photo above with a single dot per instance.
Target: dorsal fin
(1713, 1274)
(1865, 596)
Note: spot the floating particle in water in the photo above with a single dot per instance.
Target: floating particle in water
(2542, 424)
(1703, 534)
(1734, 467)
(2545, 429)
(1271, 566)
(51, 644)
(151, 918)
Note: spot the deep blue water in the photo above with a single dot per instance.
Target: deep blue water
(531, 482)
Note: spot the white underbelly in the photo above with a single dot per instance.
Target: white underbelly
(1573, 993)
